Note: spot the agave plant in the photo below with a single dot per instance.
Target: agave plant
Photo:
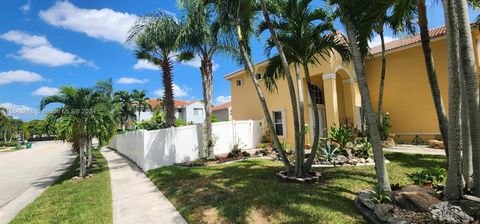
(329, 151)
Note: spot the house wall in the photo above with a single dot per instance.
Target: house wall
(222, 115)
(407, 95)
(188, 112)
(246, 104)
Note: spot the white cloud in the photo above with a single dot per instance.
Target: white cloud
(25, 8)
(15, 109)
(178, 91)
(25, 39)
(38, 50)
(223, 99)
(144, 64)
(21, 76)
(128, 80)
(197, 62)
(45, 91)
(105, 24)
(375, 41)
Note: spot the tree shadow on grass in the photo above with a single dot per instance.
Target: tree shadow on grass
(235, 191)
(410, 160)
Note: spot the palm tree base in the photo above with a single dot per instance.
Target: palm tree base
(312, 177)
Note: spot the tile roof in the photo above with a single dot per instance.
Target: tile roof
(223, 106)
(437, 32)
(178, 103)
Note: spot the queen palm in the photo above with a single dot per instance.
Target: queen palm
(201, 37)
(471, 84)
(75, 117)
(236, 18)
(140, 101)
(156, 39)
(124, 110)
(306, 38)
(3, 112)
(352, 15)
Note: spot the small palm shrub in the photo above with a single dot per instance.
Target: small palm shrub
(385, 126)
(343, 135)
(363, 148)
(380, 196)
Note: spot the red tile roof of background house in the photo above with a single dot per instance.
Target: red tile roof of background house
(154, 103)
(437, 32)
(223, 106)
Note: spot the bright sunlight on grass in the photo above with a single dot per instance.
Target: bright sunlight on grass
(73, 201)
(248, 191)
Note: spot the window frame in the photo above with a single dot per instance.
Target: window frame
(196, 111)
(238, 82)
(283, 123)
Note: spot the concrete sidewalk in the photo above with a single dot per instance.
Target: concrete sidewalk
(135, 198)
(415, 149)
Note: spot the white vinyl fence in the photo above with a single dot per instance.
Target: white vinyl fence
(165, 147)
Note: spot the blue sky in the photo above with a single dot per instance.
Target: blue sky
(46, 44)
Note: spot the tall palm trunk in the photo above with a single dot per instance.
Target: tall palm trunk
(168, 96)
(89, 152)
(359, 66)
(261, 97)
(301, 106)
(454, 187)
(83, 170)
(316, 119)
(470, 78)
(299, 149)
(432, 74)
(207, 87)
(467, 162)
(382, 77)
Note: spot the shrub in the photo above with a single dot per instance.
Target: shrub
(363, 148)
(214, 118)
(328, 151)
(380, 196)
(385, 126)
(156, 122)
(8, 144)
(263, 145)
(436, 175)
(343, 135)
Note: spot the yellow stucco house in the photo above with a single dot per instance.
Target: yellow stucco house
(407, 95)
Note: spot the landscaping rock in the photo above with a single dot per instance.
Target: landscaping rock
(388, 143)
(340, 159)
(383, 211)
(416, 198)
(365, 198)
(435, 144)
(444, 212)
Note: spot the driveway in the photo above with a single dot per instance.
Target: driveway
(36, 168)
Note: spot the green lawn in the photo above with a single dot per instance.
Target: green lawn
(248, 191)
(73, 201)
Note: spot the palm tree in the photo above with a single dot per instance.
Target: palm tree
(351, 14)
(471, 84)
(124, 109)
(74, 118)
(306, 39)
(454, 187)
(236, 18)
(140, 101)
(156, 39)
(3, 112)
(299, 130)
(201, 37)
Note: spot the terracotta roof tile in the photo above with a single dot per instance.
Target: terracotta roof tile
(223, 106)
(437, 32)
(154, 103)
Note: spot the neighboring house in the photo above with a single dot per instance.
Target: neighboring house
(407, 95)
(188, 112)
(223, 112)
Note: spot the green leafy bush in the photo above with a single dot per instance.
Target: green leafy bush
(363, 148)
(436, 175)
(380, 196)
(8, 144)
(343, 135)
(385, 126)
